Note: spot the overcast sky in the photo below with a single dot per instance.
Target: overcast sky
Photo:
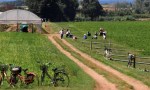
(114, 1)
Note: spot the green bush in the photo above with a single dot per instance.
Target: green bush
(141, 15)
(117, 18)
(107, 18)
(130, 18)
(80, 18)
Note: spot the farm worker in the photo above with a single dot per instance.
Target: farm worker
(75, 38)
(107, 53)
(84, 37)
(61, 33)
(67, 33)
(94, 37)
(131, 57)
(88, 33)
(104, 34)
(96, 33)
(101, 31)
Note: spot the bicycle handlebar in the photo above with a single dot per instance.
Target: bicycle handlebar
(47, 64)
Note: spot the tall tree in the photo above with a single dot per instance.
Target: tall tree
(33, 6)
(123, 8)
(70, 9)
(146, 6)
(55, 10)
(138, 6)
(49, 9)
(91, 8)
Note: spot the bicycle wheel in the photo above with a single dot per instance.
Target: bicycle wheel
(61, 79)
(32, 79)
(13, 81)
(1, 79)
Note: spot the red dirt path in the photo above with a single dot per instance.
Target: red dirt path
(101, 82)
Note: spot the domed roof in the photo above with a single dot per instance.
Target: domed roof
(18, 16)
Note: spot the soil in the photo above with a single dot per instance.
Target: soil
(101, 82)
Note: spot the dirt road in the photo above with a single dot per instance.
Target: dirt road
(102, 83)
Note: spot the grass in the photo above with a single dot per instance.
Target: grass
(24, 49)
(121, 85)
(131, 36)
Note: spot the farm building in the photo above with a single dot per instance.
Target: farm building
(18, 16)
(1, 13)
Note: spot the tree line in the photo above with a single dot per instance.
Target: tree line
(69, 10)
(64, 10)
(142, 6)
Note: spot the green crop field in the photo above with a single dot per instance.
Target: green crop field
(131, 36)
(23, 49)
(134, 34)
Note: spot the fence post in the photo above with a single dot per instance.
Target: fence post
(109, 44)
(91, 45)
(134, 63)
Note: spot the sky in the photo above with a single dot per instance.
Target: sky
(114, 1)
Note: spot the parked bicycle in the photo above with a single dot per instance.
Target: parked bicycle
(59, 78)
(28, 78)
(3, 70)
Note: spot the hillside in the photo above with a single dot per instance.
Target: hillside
(124, 37)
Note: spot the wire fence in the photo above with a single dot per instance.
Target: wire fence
(118, 53)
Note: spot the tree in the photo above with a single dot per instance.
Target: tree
(33, 6)
(20, 2)
(123, 8)
(55, 10)
(71, 8)
(91, 8)
(146, 6)
(49, 9)
(138, 6)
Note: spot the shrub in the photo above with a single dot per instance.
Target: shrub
(141, 15)
(130, 18)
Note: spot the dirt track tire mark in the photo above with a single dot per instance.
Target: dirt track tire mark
(101, 82)
(138, 85)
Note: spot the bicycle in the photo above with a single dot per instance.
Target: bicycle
(27, 79)
(59, 78)
(3, 75)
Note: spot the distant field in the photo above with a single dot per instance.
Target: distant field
(135, 35)
(131, 36)
(23, 49)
